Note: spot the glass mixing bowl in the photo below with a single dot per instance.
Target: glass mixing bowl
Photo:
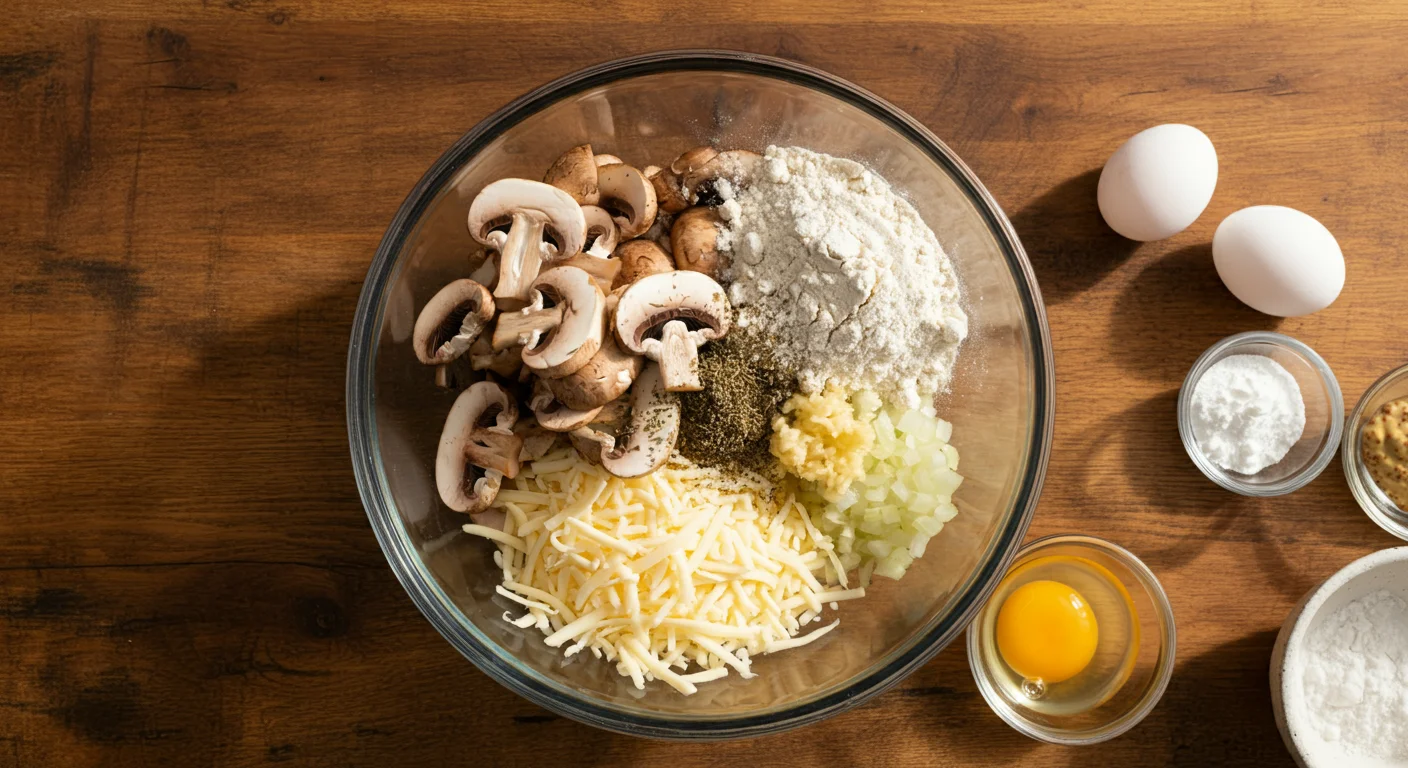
(648, 109)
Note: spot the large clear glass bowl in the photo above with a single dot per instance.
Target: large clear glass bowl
(648, 109)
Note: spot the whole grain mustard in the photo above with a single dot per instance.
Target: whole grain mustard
(1384, 448)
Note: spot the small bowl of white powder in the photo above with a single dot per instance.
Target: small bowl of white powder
(1338, 668)
(1260, 414)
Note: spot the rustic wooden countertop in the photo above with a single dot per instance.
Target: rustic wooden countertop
(190, 194)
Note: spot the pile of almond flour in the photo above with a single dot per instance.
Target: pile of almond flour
(843, 273)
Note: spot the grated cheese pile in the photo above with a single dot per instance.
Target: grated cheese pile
(682, 567)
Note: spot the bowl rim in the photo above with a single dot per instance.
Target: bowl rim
(1215, 473)
(1365, 491)
(436, 606)
(1289, 646)
(1168, 652)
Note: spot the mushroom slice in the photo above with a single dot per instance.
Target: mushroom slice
(553, 416)
(577, 337)
(736, 165)
(451, 321)
(640, 258)
(629, 196)
(575, 173)
(525, 327)
(604, 378)
(693, 159)
(537, 441)
(602, 270)
(503, 362)
(477, 447)
(607, 160)
(653, 429)
(670, 193)
(533, 211)
(654, 315)
(600, 435)
(695, 238)
(602, 234)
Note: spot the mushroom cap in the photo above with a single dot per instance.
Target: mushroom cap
(602, 233)
(604, 378)
(545, 204)
(733, 164)
(553, 416)
(574, 172)
(477, 433)
(652, 432)
(691, 159)
(694, 238)
(604, 159)
(640, 258)
(625, 191)
(451, 321)
(654, 300)
(670, 193)
(572, 343)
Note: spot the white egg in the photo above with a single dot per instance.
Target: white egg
(1158, 182)
(1278, 260)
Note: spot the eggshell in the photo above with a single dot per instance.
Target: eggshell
(1278, 260)
(1158, 182)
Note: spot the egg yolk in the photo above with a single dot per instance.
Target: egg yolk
(1046, 630)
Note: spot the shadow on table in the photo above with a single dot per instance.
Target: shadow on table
(1068, 243)
(1173, 310)
(1217, 711)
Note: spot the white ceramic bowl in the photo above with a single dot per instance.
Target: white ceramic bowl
(1386, 569)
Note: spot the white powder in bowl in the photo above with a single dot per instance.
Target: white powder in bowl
(1247, 413)
(843, 272)
(1355, 679)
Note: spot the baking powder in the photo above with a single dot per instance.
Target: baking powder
(1356, 677)
(1247, 413)
(844, 274)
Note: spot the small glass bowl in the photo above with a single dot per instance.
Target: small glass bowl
(1323, 406)
(1148, 677)
(1391, 386)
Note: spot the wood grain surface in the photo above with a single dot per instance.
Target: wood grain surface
(190, 195)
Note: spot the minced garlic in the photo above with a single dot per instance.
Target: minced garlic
(823, 438)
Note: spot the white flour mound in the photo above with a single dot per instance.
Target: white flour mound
(844, 274)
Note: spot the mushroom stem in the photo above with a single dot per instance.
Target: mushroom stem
(679, 359)
(521, 256)
(525, 327)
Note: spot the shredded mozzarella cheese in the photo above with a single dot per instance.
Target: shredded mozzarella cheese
(683, 567)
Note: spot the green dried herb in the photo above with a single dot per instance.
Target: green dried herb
(729, 423)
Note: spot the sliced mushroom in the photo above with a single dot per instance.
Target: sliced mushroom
(451, 321)
(736, 165)
(604, 378)
(485, 269)
(504, 362)
(670, 193)
(544, 224)
(600, 435)
(654, 316)
(576, 337)
(526, 327)
(477, 447)
(602, 234)
(629, 196)
(608, 160)
(537, 441)
(602, 270)
(575, 173)
(695, 238)
(693, 159)
(553, 416)
(652, 432)
(640, 258)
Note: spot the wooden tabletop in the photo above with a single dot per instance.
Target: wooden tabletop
(191, 193)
